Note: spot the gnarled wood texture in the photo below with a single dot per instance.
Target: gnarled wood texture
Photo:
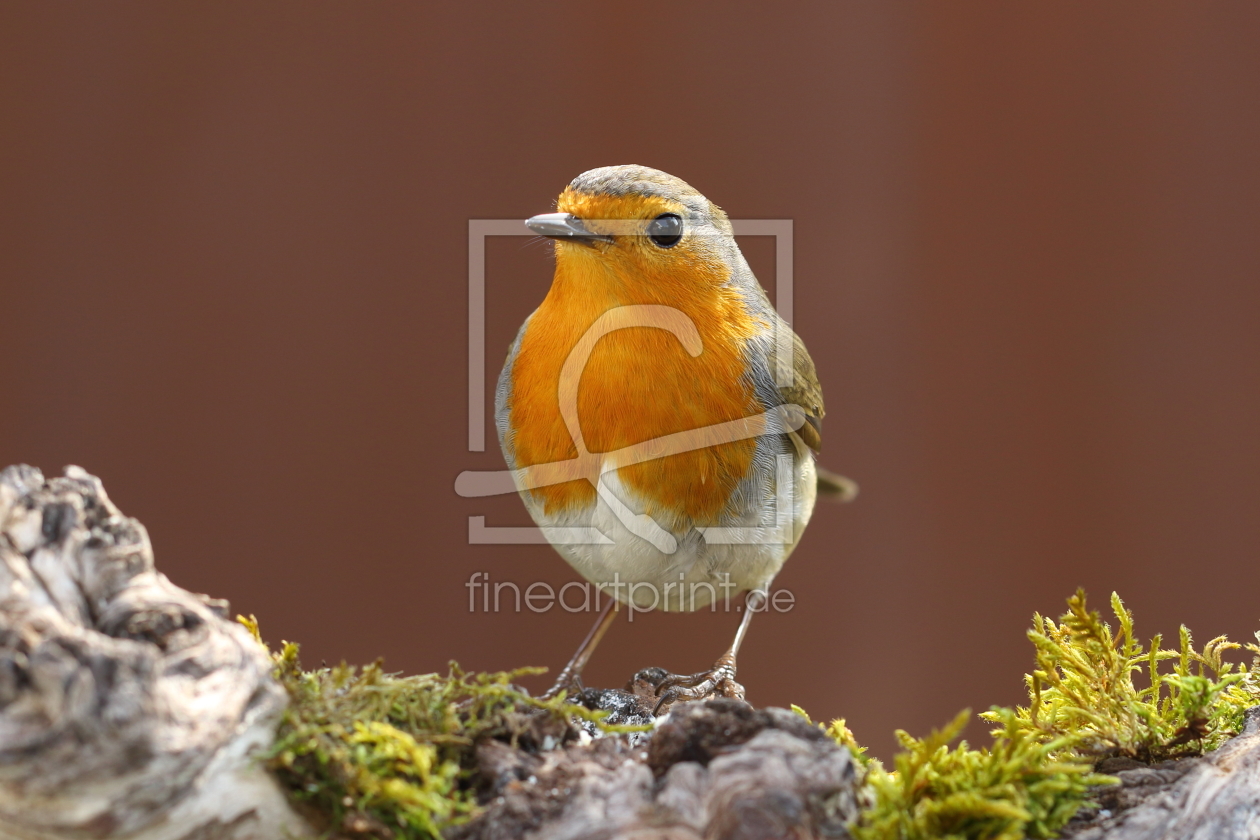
(128, 706)
(1213, 797)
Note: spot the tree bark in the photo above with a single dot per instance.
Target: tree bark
(130, 708)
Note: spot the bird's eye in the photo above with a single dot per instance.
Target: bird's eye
(665, 230)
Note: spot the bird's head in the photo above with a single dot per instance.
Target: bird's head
(638, 230)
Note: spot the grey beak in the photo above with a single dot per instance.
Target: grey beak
(566, 227)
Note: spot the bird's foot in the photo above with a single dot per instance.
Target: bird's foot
(570, 684)
(718, 681)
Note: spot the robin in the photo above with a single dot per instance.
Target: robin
(660, 418)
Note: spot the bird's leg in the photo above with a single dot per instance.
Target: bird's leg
(719, 678)
(569, 675)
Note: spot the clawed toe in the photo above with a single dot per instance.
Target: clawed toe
(718, 681)
(685, 680)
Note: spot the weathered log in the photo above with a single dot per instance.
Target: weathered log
(1210, 797)
(130, 708)
(717, 768)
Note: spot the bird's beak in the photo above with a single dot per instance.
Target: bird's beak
(565, 227)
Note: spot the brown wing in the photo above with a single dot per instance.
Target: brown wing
(806, 393)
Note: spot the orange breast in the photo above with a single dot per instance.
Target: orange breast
(639, 384)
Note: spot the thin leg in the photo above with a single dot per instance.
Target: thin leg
(721, 677)
(570, 673)
(756, 603)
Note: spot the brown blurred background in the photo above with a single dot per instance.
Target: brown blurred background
(233, 267)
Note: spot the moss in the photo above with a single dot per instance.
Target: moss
(1083, 686)
(1016, 787)
(380, 755)
(375, 754)
(1084, 706)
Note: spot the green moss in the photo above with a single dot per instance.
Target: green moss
(376, 754)
(1083, 686)
(1084, 705)
(391, 756)
(1016, 787)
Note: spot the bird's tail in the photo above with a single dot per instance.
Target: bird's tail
(835, 487)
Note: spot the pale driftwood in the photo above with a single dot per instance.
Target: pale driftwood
(130, 708)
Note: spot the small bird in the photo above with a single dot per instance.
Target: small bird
(653, 434)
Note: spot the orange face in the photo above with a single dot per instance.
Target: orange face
(634, 263)
(639, 383)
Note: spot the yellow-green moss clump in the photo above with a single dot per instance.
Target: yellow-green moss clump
(1084, 706)
(382, 755)
(1016, 787)
(1083, 688)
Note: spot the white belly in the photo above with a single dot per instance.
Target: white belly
(708, 565)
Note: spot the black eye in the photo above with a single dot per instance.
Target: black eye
(666, 230)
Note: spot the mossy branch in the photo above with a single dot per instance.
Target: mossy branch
(132, 708)
(1084, 708)
(363, 747)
